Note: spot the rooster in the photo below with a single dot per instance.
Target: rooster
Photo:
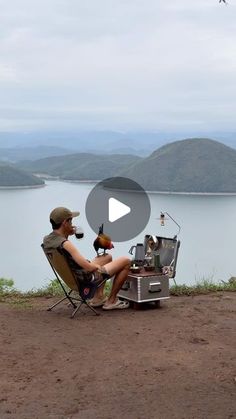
(102, 241)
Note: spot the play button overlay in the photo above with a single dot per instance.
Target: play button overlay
(117, 210)
(121, 205)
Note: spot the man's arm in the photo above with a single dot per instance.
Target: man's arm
(78, 258)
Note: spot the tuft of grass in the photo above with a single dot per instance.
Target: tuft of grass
(203, 286)
(6, 285)
(8, 293)
(7, 289)
(52, 289)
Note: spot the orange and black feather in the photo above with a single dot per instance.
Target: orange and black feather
(102, 241)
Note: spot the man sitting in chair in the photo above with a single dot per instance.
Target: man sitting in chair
(61, 220)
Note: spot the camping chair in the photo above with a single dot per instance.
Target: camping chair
(64, 273)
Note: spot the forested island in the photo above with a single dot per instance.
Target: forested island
(12, 177)
(193, 165)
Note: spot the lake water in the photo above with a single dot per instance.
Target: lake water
(208, 232)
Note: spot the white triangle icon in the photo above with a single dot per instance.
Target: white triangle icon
(117, 209)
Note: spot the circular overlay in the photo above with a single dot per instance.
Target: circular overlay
(121, 205)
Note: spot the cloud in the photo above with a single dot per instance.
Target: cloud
(124, 65)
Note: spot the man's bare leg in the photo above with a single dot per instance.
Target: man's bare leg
(101, 260)
(120, 268)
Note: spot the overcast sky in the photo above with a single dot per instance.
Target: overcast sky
(117, 64)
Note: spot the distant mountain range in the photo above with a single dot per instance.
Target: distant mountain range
(15, 146)
(16, 154)
(191, 165)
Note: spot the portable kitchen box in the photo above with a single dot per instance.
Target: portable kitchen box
(153, 286)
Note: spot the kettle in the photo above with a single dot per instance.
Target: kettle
(139, 252)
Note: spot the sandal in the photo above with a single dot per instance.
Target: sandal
(98, 303)
(118, 304)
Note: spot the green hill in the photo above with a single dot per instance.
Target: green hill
(192, 165)
(14, 177)
(81, 166)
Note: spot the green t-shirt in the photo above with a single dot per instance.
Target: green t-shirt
(53, 241)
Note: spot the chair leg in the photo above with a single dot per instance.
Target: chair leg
(91, 308)
(71, 299)
(76, 309)
(63, 299)
(58, 302)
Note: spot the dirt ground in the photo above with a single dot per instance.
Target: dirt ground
(174, 362)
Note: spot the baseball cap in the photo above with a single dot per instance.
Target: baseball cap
(59, 214)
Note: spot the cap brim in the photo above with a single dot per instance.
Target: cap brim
(75, 214)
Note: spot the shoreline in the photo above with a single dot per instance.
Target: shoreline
(95, 181)
(147, 191)
(194, 193)
(23, 187)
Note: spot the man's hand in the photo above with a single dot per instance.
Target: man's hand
(102, 270)
(97, 266)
